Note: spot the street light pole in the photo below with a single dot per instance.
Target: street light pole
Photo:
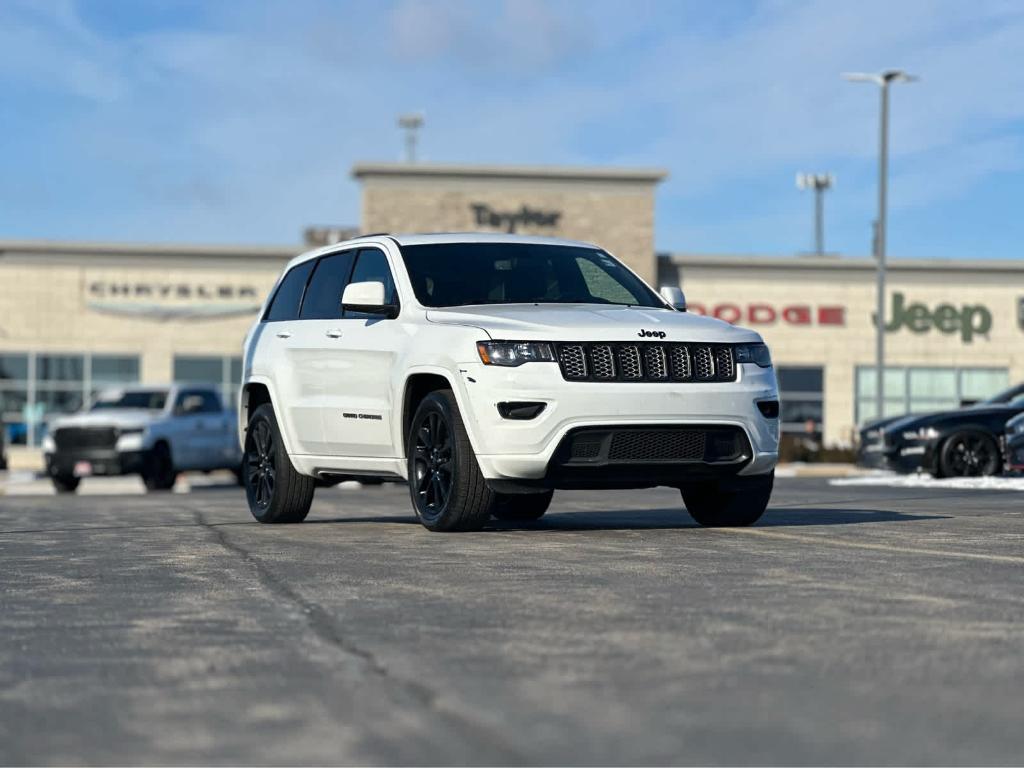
(820, 183)
(882, 80)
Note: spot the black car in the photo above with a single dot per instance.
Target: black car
(966, 442)
(1014, 449)
(872, 452)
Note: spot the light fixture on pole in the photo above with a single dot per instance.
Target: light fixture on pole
(882, 80)
(411, 124)
(820, 183)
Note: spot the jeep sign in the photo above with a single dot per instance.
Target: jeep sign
(969, 320)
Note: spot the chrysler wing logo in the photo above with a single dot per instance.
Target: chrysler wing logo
(165, 312)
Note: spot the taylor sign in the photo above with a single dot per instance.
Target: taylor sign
(485, 216)
(760, 313)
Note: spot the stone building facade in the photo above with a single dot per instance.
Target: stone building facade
(611, 207)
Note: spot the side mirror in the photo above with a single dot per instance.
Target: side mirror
(367, 297)
(674, 295)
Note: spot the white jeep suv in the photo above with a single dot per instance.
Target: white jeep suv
(488, 371)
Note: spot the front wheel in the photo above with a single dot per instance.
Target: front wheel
(521, 506)
(729, 504)
(275, 491)
(969, 454)
(448, 490)
(159, 473)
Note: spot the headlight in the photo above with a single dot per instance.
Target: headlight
(753, 353)
(512, 353)
(48, 445)
(1018, 429)
(924, 433)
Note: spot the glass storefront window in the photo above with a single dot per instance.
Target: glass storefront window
(114, 369)
(923, 389)
(802, 395)
(223, 372)
(34, 387)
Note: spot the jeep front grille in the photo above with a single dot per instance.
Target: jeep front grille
(646, 361)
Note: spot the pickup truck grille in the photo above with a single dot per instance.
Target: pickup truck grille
(646, 361)
(84, 438)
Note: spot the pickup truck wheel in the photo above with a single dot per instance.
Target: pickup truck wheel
(158, 473)
(720, 506)
(969, 454)
(521, 506)
(448, 490)
(65, 483)
(275, 491)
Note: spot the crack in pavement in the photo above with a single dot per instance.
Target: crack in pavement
(325, 628)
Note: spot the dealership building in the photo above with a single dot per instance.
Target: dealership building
(76, 317)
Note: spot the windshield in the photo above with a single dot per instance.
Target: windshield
(457, 274)
(150, 400)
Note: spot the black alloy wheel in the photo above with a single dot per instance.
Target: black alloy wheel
(447, 488)
(432, 465)
(260, 464)
(275, 491)
(970, 454)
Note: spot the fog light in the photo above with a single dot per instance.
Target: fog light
(520, 411)
(768, 408)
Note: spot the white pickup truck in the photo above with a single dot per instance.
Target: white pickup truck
(155, 432)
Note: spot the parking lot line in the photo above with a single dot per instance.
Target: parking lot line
(1005, 559)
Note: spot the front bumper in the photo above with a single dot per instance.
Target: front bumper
(102, 461)
(902, 457)
(513, 449)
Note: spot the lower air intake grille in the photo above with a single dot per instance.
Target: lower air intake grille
(657, 445)
(646, 361)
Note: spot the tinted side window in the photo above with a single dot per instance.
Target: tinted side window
(211, 402)
(372, 265)
(323, 296)
(285, 304)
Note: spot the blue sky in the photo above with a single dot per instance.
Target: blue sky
(223, 121)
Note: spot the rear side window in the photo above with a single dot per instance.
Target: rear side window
(323, 296)
(372, 266)
(285, 304)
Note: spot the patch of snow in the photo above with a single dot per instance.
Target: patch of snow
(893, 480)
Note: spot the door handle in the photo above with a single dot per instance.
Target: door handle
(334, 333)
(284, 335)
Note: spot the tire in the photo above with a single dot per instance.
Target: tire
(521, 506)
(65, 483)
(275, 491)
(969, 453)
(730, 504)
(447, 489)
(159, 473)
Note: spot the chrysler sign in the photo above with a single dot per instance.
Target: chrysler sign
(169, 300)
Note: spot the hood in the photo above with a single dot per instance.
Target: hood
(127, 418)
(589, 322)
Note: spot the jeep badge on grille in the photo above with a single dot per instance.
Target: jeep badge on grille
(652, 334)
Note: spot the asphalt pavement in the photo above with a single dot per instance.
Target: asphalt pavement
(854, 624)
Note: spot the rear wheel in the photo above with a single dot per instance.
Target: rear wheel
(448, 490)
(159, 473)
(730, 504)
(65, 483)
(521, 506)
(275, 491)
(970, 454)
